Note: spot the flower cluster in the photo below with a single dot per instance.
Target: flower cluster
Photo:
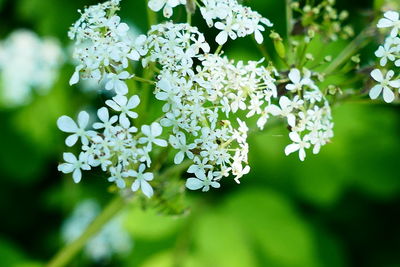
(233, 20)
(112, 239)
(308, 114)
(116, 146)
(322, 18)
(199, 102)
(389, 59)
(27, 63)
(103, 47)
(205, 98)
(165, 5)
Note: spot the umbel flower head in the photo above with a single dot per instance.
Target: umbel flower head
(206, 98)
(28, 64)
(387, 75)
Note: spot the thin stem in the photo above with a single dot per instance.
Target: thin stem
(349, 50)
(151, 17)
(140, 79)
(263, 50)
(218, 49)
(289, 18)
(65, 255)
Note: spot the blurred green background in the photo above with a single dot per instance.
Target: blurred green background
(338, 208)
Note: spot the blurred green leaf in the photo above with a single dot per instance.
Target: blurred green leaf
(148, 224)
(285, 238)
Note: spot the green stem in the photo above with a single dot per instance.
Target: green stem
(218, 49)
(65, 255)
(289, 26)
(139, 79)
(349, 50)
(151, 17)
(289, 18)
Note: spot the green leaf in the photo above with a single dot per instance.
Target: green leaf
(148, 224)
(285, 238)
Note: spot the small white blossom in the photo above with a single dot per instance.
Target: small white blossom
(391, 20)
(385, 85)
(299, 144)
(142, 180)
(66, 124)
(151, 133)
(74, 165)
(202, 181)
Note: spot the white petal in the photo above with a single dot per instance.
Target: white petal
(395, 83)
(74, 78)
(146, 188)
(120, 183)
(66, 124)
(291, 120)
(156, 5)
(156, 129)
(66, 167)
(258, 36)
(295, 137)
(77, 175)
(135, 186)
(375, 91)
(392, 15)
(291, 148)
(194, 184)
(113, 105)
(83, 119)
(221, 38)
(160, 142)
(302, 154)
(71, 140)
(377, 75)
(167, 11)
(179, 157)
(146, 130)
(148, 176)
(121, 88)
(133, 102)
(388, 95)
(384, 23)
(102, 113)
(294, 75)
(124, 75)
(69, 157)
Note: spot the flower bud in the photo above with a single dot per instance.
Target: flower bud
(278, 44)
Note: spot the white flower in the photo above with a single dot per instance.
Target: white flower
(297, 81)
(115, 81)
(386, 52)
(385, 85)
(120, 103)
(228, 29)
(66, 124)
(142, 181)
(107, 122)
(74, 165)
(117, 176)
(151, 132)
(179, 142)
(298, 145)
(202, 181)
(200, 166)
(391, 20)
(239, 171)
(156, 6)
